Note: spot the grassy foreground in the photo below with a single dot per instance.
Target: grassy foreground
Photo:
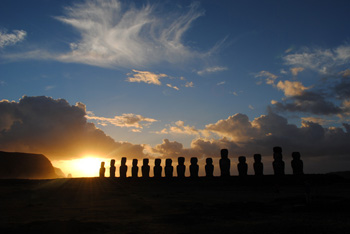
(234, 205)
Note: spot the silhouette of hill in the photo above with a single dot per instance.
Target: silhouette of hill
(344, 174)
(25, 166)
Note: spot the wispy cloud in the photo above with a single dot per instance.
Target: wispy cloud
(270, 78)
(189, 84)
(7, 39)
(221, 83)
(173, 87)
(211, 70)
(145, 76)
(295, 70)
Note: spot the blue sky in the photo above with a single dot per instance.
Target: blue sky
(202, 74)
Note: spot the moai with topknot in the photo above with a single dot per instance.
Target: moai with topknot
(297, 164)
(209, 167)
(181, 168)
(242, 166)
(168, 168)
(258, 165)
(225, 163)
(145, 168)
(157, 170)
(123, 168)
(112, 169)
(194, 168)
(278, 164)
(135, 168)
(102, 170)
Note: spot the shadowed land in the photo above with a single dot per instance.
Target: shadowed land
(177, 205)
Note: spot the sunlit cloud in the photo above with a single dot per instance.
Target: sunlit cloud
(8, 39)
(318, 120)
(189, 84)
(173, 87)
(270, 78)
(211, 70)
(145, 76)
(291, 88)
(296, 70)
(124, 120)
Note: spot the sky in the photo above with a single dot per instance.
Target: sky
(107, 79)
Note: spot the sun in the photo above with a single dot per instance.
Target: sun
(86, 167)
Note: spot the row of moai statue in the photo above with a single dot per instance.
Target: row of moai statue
(225, 165)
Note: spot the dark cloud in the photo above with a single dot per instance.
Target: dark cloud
(57, 129)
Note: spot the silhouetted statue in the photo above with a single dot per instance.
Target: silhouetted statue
(168, 168)
(194, 168)
(145, 168)
(181, 168)
(258, 165)
(297, 164)
(225, 163)
(135, 168)
(278, 164)
(123, 168)
(112, 169)
(157, 170)
(242, 166)
(209, 167)
(102, 170)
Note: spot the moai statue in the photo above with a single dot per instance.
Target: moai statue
(242, 166)
(258, 165)
(102, 170)
(135, 168)
(209, 167)
(278, 164)
(297, 164)
(145, 168)
(112, 169)
(181, 168)
(225, 163)
(168, 168)
(157, 170)
(194, 168)
(123, 168)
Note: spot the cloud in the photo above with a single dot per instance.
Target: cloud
(180, 128)
(318, 120)
(8, 39)
(125, 120)
(295, 70)
(173, 87)
(189, 84)
(291, 88)
(251, 107)
(270, 78)
(145, 76)
(211, 70)
(57, 129)
(221, 83)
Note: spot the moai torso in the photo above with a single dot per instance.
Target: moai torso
(157, 170)
(242, 166)
(135, 168)
(102, 170)
(181, 168)
(258, 165)
(225, 163)
(168, 168)
(194, 168)
(123, 168)
(297, 164)
(278, 164)
(112, 169)
(209, 168)
(145, 168)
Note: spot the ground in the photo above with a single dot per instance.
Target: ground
(313, 203)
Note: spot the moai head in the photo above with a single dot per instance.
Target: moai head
(102, 164)
(241, 159)
(277, 153)
(123, 161)
(209, 161)
(296, 155)
(145, 161)
(168, 162)
(181, 160)
(257, 157)
(277, 149)
(157, 162)
(134, 162)
(194, 161)
(224, 153)
(112, 163)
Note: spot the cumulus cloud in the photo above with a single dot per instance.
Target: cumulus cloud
(57, 129)
(180, 128)
(211, 70)
(124, 120)
(291, 88)
(8, 39)
(145, 76)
